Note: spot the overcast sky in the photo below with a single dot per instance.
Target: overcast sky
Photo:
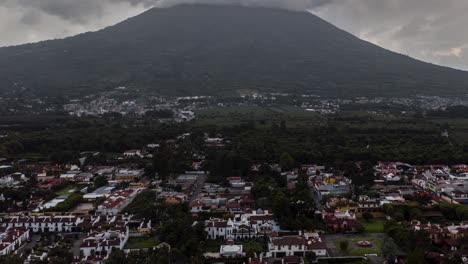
(430, 30)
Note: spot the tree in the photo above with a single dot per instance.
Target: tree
(389, 250)
(287, 161)
(310, 257)
(117, 256)
(280, 204)
(60, 255)
(367, 216)
(416, 257)
(10, 259)
(344, 245)
(100, 181)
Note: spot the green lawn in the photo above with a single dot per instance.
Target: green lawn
(141, 242)
(67, 190)
(355, 250)
(375, 225)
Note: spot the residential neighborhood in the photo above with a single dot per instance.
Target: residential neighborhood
(320, 214)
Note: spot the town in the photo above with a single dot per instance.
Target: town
(286, 211)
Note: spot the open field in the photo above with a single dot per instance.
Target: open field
(67, 190)
(355, 250)
(141, 242)
(375, 225)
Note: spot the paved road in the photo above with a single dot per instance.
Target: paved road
(29, 245)
(198, 187)
(316, 198)
(76, 246)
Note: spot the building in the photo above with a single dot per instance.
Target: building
(11, 238)
(104, 191)
(52, 203)
(332, 185)
(231, 251)
(196, 206)
(116, 202)
(439, 234)
(296, 245)
(102, 239)
(247, 225)
(128, 175)
(102, 243)
(37, 224)
(133, 153)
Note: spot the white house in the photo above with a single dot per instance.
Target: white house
(296, 245)
(196, 206)
(67, 223)
(102, 243)
(243, 226)
(11, 238)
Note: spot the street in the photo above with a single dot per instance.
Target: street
(29, 245)
(198, 187)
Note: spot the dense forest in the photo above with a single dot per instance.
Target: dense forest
(333, 140)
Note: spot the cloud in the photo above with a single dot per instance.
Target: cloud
(424, 29)
(285, 4)
(457, 52)
(430, 30)
(31, 17)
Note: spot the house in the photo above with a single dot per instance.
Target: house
(128, 175)
(101, 243)
(366, 204)
(233, 207)
(196, 206)
(117, 201)
(52, 203)
(11, 238)
(214, 142)
(83, 177)
(173, 197)
(341, 222)
(332, 185)
(100, 192)
(247, 225)
(48, 183)
(69, 175)
(12, 179)
(296, 245)
(105, 234)
(42, 223)
(460, 196)
(133, 153)
(439, 234)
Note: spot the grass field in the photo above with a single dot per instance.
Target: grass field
(67, 190)
(375, 225)
(355, 250)
(141, 242)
